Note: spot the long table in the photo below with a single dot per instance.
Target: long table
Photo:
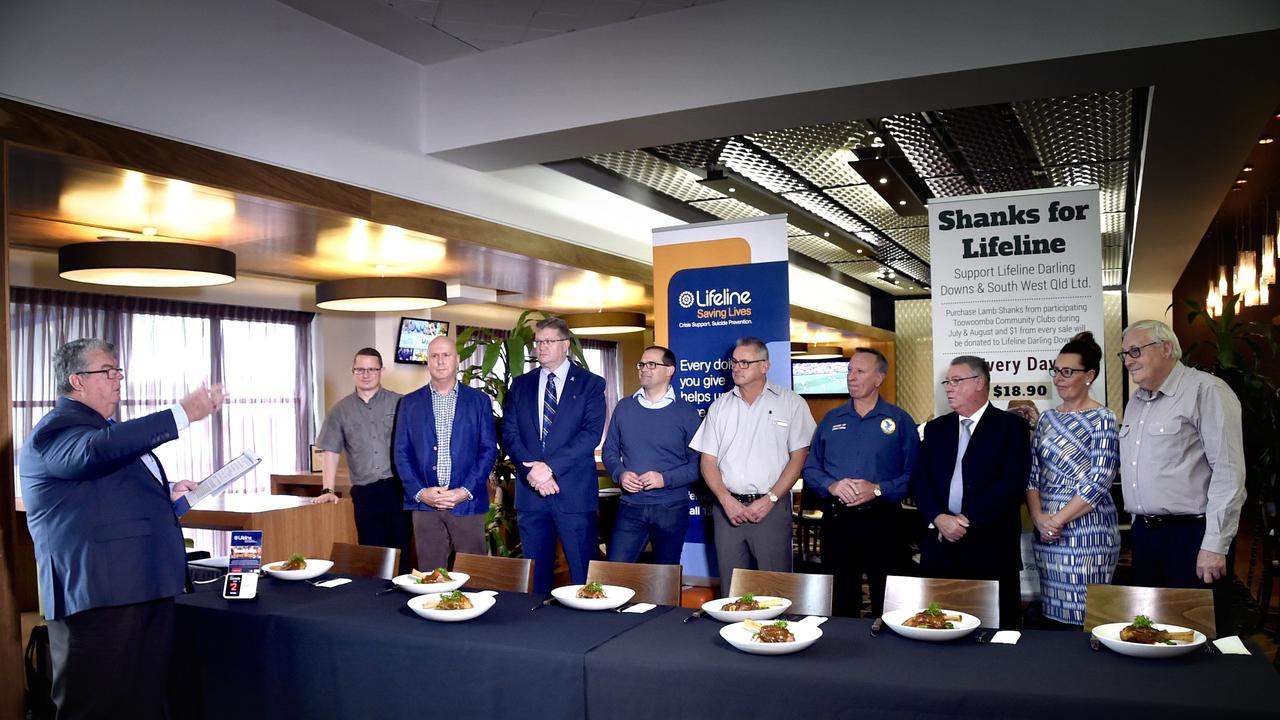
(301, 651)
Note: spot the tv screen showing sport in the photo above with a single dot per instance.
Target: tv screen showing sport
(820, 377)
(415, 335)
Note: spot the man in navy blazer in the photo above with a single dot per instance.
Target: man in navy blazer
(444, 450)
(552, 423)
(973, 510)
(109, 550)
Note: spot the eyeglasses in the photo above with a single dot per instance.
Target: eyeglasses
(649, 365)
(952, 382)
(1135, 352)
(366, 371)
(1065, 372)
(112, 373)
(743, 364)
(548, 343)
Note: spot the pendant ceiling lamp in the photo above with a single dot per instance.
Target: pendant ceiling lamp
(605, 323)
(381, 294)
(821, 352)
(146, 263)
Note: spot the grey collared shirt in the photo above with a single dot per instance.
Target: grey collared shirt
(753, 443)
(362, 430)
(1181, 453)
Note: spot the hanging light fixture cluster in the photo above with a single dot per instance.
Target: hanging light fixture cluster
(1251, 279)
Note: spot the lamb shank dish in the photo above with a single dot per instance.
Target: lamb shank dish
(932, 618)
(591, 591)
(1144, 631)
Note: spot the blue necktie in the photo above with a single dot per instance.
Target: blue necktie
(548, 406)
(956, 496)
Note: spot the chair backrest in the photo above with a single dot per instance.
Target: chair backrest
(367, 560)
(980, 598)
(809, 594)
(659, 584)
(495, 573)
(1188, 607)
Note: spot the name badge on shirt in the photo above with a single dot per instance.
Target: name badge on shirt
(887, 426)
(781, 423)
(838, 426)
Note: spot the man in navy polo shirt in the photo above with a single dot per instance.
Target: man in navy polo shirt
(860, 462)
(647, 452)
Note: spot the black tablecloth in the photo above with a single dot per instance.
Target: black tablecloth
(302, 651)
(666, 669)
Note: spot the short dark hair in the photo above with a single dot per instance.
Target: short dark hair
(1087, 348)
(668, 357)
(556, 323)
(882, 363)
(753, 342)
(976, 365)
(369, 352)
(69, 360)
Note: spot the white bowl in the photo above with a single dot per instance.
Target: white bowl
(614, 596)
(409, 583)
(712, 608)
(1109, 635)
(739, 636)
(480, 604)
(968, 623)
(314, 569)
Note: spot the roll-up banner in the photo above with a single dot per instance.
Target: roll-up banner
(713, 283)
(1015, 276)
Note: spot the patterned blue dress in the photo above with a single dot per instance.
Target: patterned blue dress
(1076, 453)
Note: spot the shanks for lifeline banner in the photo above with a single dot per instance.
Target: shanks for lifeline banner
(714, 283)
(1015, 276)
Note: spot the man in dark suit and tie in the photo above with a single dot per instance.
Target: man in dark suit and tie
(109, 550)
(552, 423)
(968, 483)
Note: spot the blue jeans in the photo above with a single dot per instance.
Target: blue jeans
(637, 524)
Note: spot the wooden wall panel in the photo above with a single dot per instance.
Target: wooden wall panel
(11, 670)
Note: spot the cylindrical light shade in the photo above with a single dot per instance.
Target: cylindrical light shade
(799, 348)
(822, 352)
(381, 294)
(605, 323)
(144, 263)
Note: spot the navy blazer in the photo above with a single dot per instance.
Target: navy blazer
(473, 446)
(104, 528)
(996, 466)
(570, 446)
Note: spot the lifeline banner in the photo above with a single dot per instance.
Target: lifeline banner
(1015, 276)
(713, 283)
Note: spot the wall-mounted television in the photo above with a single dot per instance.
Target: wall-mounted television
(415, 335)
(820, 378)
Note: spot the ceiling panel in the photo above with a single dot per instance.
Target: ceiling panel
(868, 204)
(648, 169)
(820, 152)
(1079, 129)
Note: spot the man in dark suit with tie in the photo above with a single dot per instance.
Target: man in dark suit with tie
(109, 550)
(552, 423)
(969, 482)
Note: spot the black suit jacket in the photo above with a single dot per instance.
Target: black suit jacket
(996, 466)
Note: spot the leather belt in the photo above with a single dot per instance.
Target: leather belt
(747, 499)
(1155, 521)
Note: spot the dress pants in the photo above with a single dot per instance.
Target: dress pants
(381, 520)
(765, 545)
(855, 540)
(984, 559)
(578, 534)
(1165, 556)
(114, 662)
(437, 532)
(637, 524)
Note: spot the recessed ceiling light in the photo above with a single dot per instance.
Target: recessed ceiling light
(884, 181)
(1241, 181)
(733, 189)
(1266, 141)
(859, 251)
(902, 202)
(826, 234)
(1247, 168)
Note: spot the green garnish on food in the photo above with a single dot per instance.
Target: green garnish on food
(1142, 621)
(297, 558)
(934, 609)
(443, 573)
(780, 623)
(747, 598)
(454, 596)
(594, 587)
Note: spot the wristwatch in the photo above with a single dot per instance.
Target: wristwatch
(773, 498)
(876, 490)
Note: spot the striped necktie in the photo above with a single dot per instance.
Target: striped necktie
(548, 406)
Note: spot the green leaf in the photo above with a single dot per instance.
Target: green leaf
(1142, 621)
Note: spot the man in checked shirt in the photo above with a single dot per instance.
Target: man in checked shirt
(444, 449)
(1181, 464)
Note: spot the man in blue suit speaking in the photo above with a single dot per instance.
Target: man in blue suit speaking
(109, 549)
(553, 421)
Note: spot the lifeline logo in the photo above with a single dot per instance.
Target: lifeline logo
(721, 304)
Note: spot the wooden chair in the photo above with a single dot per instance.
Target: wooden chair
(495, 573)
(659, 584)
(976, 597)
(1188, 607)
(809, 594)
(367, 560)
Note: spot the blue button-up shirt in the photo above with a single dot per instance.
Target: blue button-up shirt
(879, 448)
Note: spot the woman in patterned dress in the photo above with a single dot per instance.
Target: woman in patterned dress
(1076, 456)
